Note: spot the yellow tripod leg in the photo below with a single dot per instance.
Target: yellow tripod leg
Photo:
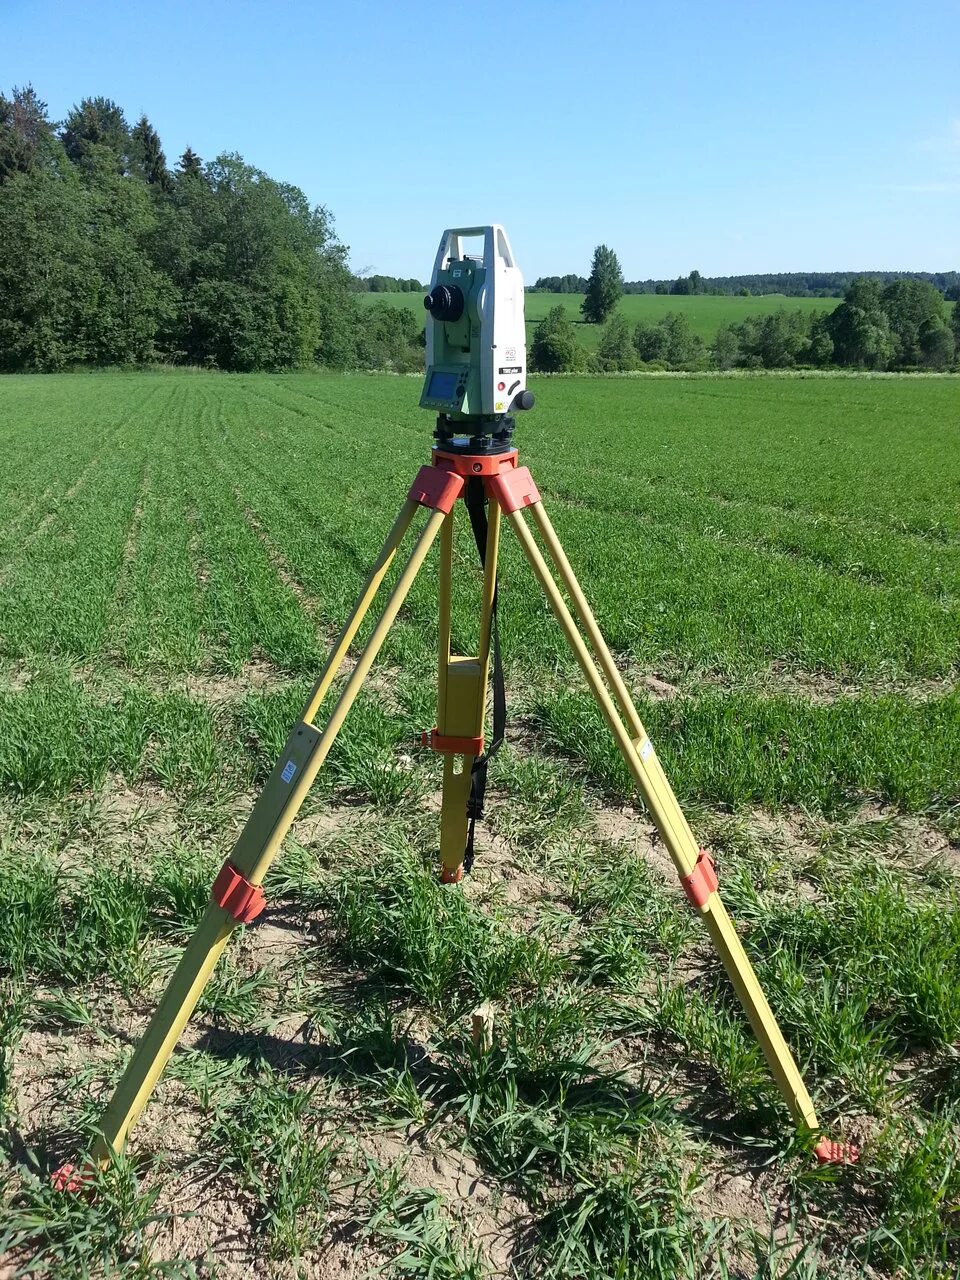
(461, 698)
(277, 806)
(695, 871)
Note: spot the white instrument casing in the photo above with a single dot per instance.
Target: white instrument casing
(503, 339)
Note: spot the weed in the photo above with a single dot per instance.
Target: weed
(274, 1144)
(915, 1175)
(398, 922)
(110, 1231)
(637, 1222)
(416, 1224)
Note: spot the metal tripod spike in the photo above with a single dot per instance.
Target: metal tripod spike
(237, 897)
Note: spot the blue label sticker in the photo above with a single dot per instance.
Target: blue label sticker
(289, 769)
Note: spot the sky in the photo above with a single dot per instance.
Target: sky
(732, 136)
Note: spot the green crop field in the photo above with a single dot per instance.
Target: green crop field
(705, 313)
(776, 564)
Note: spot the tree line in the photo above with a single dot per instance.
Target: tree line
(898, 326)
(792, 284)
(388, 284)
(109, 255)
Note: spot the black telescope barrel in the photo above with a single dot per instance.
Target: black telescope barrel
(445, 302)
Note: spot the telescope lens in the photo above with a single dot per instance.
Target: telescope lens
(445, 302)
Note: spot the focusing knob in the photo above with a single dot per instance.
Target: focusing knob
(523, 400)
(445, 302)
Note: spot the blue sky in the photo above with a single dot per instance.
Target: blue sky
(728, 136)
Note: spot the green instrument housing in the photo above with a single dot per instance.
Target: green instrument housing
(452, 385)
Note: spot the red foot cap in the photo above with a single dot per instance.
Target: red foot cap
(828, 1151)
(72, 1178)
(451, 875)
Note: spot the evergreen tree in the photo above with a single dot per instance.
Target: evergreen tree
(146, 155)
(604, 287)
(24, 131)
(955, 323)
(190, 164)
(95, 135)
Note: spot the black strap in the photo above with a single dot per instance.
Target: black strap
(476, 503)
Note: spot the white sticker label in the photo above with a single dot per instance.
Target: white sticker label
(456, 273)
(289, 769)
(510, 354)
(646, 748)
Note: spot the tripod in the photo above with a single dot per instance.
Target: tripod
(456, 472)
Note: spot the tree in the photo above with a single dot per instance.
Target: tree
(726, 347)
(670, 341)
(47, 276)
(24, 131)
(95, 134)
(650, 342)
(391, 339)
(616, 353)
(859, 327)
(909, 306)
(937, 344)
(821, 343)
(555, 348)
(190, 165)
(146, 155)
(604, 287)
(955, 323)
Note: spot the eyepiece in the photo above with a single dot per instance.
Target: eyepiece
(445, 302)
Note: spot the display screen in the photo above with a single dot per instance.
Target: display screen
(443, 386)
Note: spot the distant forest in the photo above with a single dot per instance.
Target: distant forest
(793, 284)
(110, 255)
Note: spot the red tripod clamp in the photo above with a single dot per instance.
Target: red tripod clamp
(234, 892)
(442, 483)
(701, 882)
(450, 746)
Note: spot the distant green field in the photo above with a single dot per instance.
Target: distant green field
(706, 314)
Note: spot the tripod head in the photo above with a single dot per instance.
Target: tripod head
(476, 342)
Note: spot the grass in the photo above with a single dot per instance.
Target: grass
(111, 1231)
(274, 1147)
(777, 566)
(410, 929)
(705, 314)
